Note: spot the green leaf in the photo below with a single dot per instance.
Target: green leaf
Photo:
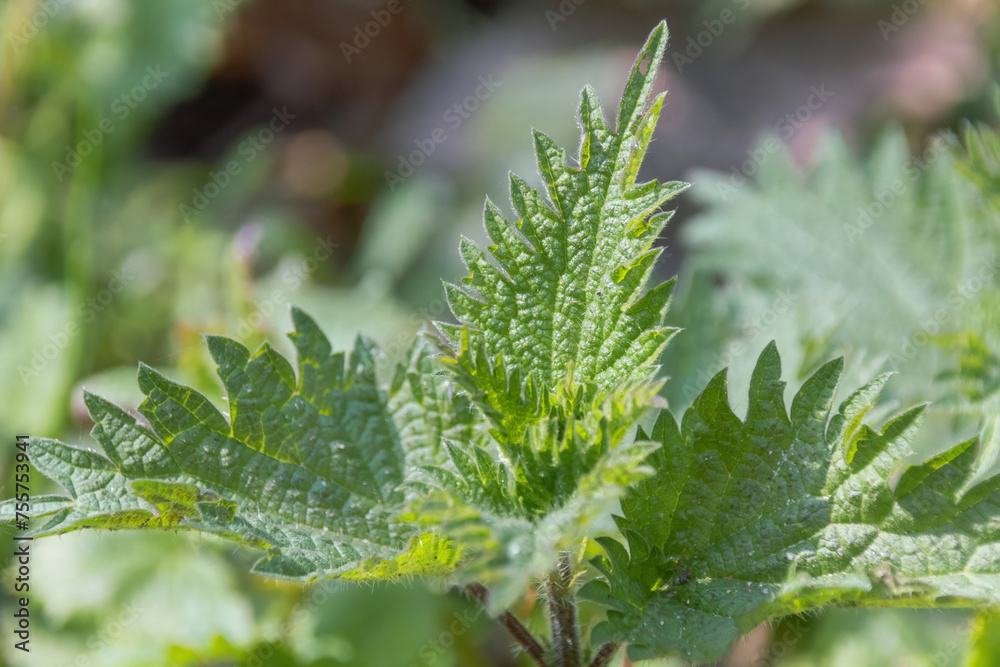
(751, 519)
(975, 382)
(980, 162)
(428, 410)
(309, 467)
(515, 511)
(985, 640)
(545, 468)
(557, 345)
(803, 258)
(561, 293)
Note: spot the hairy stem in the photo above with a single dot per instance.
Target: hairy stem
(562, 613)
(604, 656)
(514, 627)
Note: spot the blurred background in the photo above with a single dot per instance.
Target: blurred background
(173, 168)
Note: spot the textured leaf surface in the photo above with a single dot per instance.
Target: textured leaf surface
(975, 379)
(559, 335)
(557, 344)
(563, 288)
(804, 258)
(747, 520)
(427, 410)
(514, 515)
(309, 467)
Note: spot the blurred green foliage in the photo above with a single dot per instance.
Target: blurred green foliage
(99, 268)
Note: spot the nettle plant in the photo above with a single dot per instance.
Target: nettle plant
(491, 454)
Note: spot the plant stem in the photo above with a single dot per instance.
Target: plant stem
(562, 613)
(604, 656)
(514, 627)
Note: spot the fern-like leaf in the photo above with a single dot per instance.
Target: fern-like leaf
(563, 290)
(309, 468)
(751, 519)
(558, 342)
